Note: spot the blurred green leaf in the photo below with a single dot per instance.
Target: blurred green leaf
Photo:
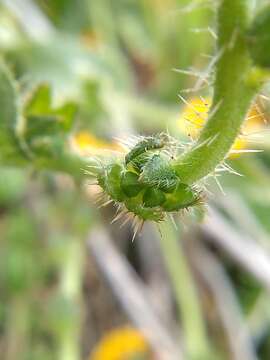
(39, 109)
(13, 183)
(10, 117)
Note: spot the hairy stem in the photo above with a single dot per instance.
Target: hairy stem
(236, 84)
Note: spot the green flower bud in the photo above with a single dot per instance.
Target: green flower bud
(146, 144)
(158, 172)
(144, 184)
(139, 162)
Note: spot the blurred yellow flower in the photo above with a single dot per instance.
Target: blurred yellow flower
(120, 344)
(87, 144)
(195, 115)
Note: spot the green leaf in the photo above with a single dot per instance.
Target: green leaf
(47, 126)
(10, 124)
(40, 104)
(39, 101)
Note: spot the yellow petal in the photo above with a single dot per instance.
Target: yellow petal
(195, 115)
(87, 144)
(120, 344)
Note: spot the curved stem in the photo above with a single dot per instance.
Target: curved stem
(234, 90)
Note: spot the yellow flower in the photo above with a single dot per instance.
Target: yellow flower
(86, 144)
(120, 344)
(195, 115)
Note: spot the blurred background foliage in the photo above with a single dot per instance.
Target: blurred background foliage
(108, 69)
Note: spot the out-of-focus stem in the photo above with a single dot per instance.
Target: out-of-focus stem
(70, 290)
(17, 330)
(186, 295)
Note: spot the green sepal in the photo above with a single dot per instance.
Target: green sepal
(130, 184)
(111, 182)
(153, 197)
(183, 197)
(143, 212)
(259, 38)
